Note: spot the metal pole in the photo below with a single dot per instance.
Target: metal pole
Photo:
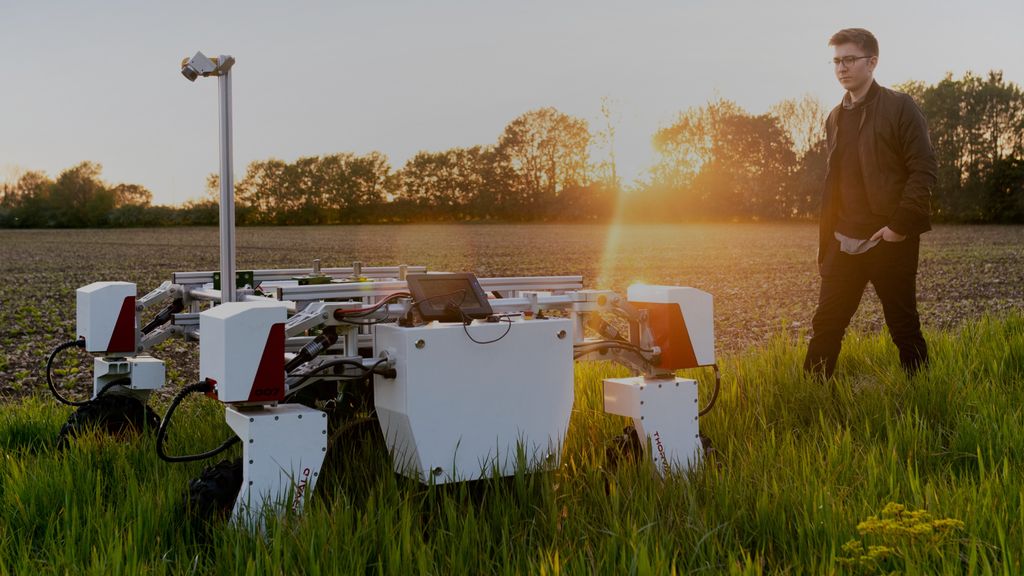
(227, 191)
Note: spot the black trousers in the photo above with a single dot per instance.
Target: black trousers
(891, 267)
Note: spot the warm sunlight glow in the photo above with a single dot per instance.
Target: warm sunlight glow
(609, 259)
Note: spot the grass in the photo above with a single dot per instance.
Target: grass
(871, 474)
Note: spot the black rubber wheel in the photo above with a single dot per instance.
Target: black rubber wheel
(212, 495)
(710, 452)
(113, 414)
(625, 447)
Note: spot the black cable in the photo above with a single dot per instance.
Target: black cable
(342, 315)
(164, 316)
(161, 433)
(579, 355)
(385, 320)
(588, 347)
(375, 307)
(466, 321)
(390, 373)
(621, 343)
(109, 385)
(394, 297)
(313, 348)
(80, 343)
(714, 395)
(77, 403)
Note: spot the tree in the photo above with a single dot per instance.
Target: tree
(364, 180)
(445, 184)
(608, 169)
(27, 203)
(803, 119)
(313, 190)
(975, 124)
(689, 143)
(808, 181)
(77, 194)
(719, 161)
(595, 201)
(758, 154)
(543, 152)
(261, 190)
(1004, 201)
(133, 194)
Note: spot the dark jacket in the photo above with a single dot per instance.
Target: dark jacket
(897, 160)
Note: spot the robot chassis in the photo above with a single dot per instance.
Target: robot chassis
(464, 385)
(468, 382)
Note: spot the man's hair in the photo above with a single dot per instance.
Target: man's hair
(859, 36)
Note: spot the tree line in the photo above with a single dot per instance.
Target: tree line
(715, 162)
(79, 198)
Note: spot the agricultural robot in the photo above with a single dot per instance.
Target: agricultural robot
(466, 377)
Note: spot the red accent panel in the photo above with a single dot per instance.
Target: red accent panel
(670, 334)
(122, 339)
(268, 385)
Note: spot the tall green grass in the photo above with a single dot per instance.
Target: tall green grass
(799, 465)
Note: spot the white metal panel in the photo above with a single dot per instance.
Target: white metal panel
(622, 397)
(664, 412)
(233, 337)
(145, 372)
(148, 373)
(698, 312)
(460, 410)
(401, 441)
(107, 370)
(283, 448)
(390, 400)
(97, 307)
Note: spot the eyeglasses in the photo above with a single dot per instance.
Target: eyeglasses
(847, 60)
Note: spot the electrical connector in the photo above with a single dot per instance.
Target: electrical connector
(312, 349)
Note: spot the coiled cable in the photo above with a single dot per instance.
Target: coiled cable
(161, 434)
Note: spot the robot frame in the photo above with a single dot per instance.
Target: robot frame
(470, 377)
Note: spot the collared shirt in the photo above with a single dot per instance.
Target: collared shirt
(849, 245)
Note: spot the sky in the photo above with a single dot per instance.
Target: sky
(100, 81)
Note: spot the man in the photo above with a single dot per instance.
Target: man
(875, 206)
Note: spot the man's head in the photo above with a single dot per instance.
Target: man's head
(856, 55)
